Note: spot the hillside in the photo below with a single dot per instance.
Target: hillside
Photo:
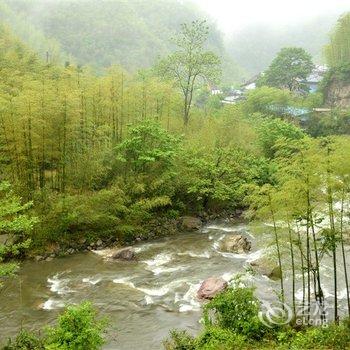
(101, 33)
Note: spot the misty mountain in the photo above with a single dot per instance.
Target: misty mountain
(255, 46)
(101, 33)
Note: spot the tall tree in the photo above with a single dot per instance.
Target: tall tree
(191, 63)
(288, 70)
(337, 52)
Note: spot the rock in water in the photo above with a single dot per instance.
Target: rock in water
(127, 253)
(190, 223)
(266, 268)
(211, 287)
(235, 244)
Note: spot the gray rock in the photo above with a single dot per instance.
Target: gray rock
(39, 258)
(99, 243)
(265, 267)
(50, 258)
(190, 223)
(211, 287)
(235, 244)
(127, 253)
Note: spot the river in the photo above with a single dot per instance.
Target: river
(144, 299)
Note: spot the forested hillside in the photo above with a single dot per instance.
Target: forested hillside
(100, 33)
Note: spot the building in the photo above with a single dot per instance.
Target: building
(250, 84)
(314, 79)
(233, 97)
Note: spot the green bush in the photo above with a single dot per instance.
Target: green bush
(77, 329)
(25, 340)
(236, 309)
(215, 338)
(179, 340)
(334, 336)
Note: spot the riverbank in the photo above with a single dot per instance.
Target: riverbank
(154, 229)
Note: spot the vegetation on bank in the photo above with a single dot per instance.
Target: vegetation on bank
(224, 329)
(78, 328)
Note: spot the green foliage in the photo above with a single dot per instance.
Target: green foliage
(12, 217)
(191, 63)
(78, 328)
(212, 338)
(25, 341)
(143, 30)
(288, 70)
(329, 123)
(179, 340)
(263, 99)
(215, 338)
(322, 338)
(7, 269)
(148, 148)
(337, 52)
(236, 310)
(271, 131)
(218, 177)
(96, 213)
(231, 322)
(16, 225)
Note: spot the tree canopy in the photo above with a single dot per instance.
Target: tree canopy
(191, 64)
(288, 70)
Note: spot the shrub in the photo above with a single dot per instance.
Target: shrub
(179, 340)
(78, 329)
(334, 336)
(236, 309)
(25, 340)
(215, 338)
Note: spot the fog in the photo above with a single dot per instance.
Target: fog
(233, 15)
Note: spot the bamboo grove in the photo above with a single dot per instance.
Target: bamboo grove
(57, 124)
(308, 206)
(337, 51)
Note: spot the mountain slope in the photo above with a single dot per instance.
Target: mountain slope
(100, 33)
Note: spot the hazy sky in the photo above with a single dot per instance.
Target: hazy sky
(234, 14)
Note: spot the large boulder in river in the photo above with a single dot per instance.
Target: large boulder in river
(267, 268)
(211, 287)
(127, 253)
(235, 244)
(190, 223)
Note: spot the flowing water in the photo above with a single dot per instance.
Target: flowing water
(143, 300)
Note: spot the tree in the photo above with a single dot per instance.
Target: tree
(15, 225)
(337, 52)
(288, 70)
(270, 131)
(148, 148)
(191, 63)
